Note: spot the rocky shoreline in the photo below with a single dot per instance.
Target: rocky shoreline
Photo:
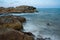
(11, 29)
(18, 9)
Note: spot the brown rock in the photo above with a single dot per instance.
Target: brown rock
(27, 37)
(10, 22)
(26, 9)
(18, 9)
(2, 10)
(10, 34)
(21, 19)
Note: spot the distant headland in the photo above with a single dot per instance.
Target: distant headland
(18, 9)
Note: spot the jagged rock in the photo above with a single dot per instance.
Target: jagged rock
(14, 22)
(29, 33)
(10, 34)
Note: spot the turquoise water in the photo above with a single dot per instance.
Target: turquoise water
(37, 23)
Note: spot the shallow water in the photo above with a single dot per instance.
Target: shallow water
(37, 23)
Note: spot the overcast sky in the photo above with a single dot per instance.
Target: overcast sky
(36, 3)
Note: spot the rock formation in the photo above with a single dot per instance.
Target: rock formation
(19, 9)
(14, 22)
(10, 26)
(10, 34)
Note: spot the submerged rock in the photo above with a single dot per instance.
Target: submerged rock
(12, 22)
(40, 39)
(43, 39)
(10, 34)
(47, 38)
(48, 24)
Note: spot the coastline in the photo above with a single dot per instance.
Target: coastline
(18, 9)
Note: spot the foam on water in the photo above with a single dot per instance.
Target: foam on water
(37, 24)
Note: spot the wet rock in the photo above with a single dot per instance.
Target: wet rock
(29, 33)
(40, 39)
(10, 34)
(47, 38)
(11, 22)
(43, 39)
(48, 24)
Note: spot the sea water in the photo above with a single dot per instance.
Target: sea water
(44, 23)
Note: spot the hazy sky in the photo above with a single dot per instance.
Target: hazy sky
(36, 3)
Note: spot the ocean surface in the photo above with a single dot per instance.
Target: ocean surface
(37, 23)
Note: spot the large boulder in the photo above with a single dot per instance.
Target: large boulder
(10, 34)
(14, 22)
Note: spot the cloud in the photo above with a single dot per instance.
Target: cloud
(37, 3)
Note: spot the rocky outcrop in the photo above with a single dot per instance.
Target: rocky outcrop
(19, 9)
(9, 26)
(10, 34)
(14, 22)
(26, 9)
